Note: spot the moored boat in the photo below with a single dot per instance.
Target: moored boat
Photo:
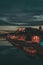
(28, 40)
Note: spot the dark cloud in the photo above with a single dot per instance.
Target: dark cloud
(13, 11)
(30, 5)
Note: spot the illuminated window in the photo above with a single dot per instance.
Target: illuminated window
(36, 39)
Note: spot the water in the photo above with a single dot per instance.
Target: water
(10, 55)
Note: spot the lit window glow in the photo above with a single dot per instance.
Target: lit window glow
(36, 39)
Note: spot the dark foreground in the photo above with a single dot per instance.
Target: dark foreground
(10, 55)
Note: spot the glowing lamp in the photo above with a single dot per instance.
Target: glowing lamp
(20, 29)
(36, 39)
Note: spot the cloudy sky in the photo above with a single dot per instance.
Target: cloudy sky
(21, 12)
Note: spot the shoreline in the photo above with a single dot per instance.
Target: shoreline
(12, 28)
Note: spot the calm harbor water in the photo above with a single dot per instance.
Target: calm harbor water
(10, 55)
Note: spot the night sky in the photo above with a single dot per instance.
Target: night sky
(21, 12)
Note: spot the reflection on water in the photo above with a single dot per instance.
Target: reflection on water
(10, 55)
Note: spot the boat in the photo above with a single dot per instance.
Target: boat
(28, 39)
